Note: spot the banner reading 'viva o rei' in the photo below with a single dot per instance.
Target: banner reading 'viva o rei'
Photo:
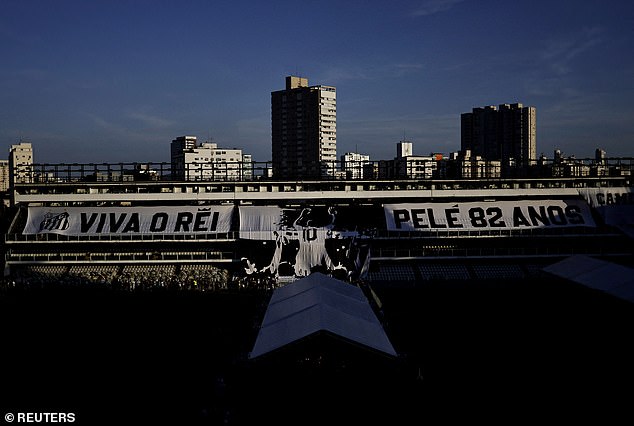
(488, 215)
(128, 220)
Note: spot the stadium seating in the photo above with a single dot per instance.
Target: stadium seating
(443, 271)
(498, 271)
(392, 273)
(47, 270)
(533, 270)
(103, 273)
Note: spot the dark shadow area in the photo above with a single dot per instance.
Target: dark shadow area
(496, 351)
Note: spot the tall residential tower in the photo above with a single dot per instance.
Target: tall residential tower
(506, 133)
(304, 130)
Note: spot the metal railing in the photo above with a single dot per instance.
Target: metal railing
(53, 258)
(118, 238)
(403, 168)
(491, 252)
(379, 234)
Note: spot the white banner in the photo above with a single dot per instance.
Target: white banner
(128, 220)
(599, 197)
(299, 235)
(264, 223)
(259, 223)
(615, 205)
(488, 215)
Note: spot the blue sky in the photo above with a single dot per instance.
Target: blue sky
(113, 81)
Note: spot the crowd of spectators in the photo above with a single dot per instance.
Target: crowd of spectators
(140, 278)
(258, 281)
(137, 278)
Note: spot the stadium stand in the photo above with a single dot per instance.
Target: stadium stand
(430, 271)
(498, 271)
(392, 272)
(532, 270)
(429, 251)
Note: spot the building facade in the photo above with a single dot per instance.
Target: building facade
(304, 130)
(404, 149)
(4, 175)
(207, 162)
(518, 135)
(354, 164)
(410, 166)
(479, 132)
(506, 133)
(463, 165)
(21, 163)
(178, 147)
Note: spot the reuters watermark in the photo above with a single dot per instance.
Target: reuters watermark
(40, 417)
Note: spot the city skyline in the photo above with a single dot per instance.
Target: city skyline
(116, 82)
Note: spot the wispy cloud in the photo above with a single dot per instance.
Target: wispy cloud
(119, 129)
(560, 53)
(406, 68)
(116, 138)
(149, 120)
(430, 7)
(336, 74)
(108, 126)
(552, 73)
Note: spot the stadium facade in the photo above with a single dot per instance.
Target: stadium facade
(394, 232)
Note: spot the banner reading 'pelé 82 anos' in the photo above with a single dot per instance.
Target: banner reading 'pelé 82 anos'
(524, 214)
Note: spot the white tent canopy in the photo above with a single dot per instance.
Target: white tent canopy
(612, 278)
(319, 303)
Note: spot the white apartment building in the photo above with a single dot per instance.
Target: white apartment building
(208, 162)
(410, 166)
(20, 163)
(328, 127)
(415, 167)
(471, 166)
(353, 164)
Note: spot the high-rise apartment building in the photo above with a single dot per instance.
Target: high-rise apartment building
(479, 132)
(303, 130)
(506, 133)
(519, 134)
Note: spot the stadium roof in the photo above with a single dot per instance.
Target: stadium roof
(612, 278)
(319, 303)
